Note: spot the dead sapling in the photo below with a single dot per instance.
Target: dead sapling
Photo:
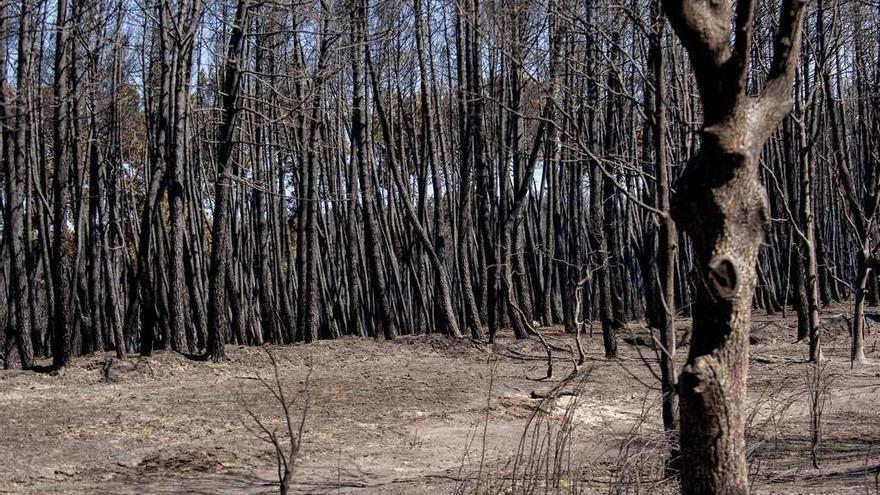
(819, 382)
(287, 440)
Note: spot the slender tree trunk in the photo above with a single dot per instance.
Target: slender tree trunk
(668, 237)
(16, 172)
(811, 283)
(218, 325)
(863, 274)
(61, 322)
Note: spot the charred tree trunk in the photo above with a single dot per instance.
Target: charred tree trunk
(218, 325)
(721, 205)
(667, 239)
(13, 151)
(61, 318)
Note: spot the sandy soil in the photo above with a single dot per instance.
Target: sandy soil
(419, 415)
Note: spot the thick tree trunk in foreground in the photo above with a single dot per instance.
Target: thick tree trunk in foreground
(726, 245)
(721, 204)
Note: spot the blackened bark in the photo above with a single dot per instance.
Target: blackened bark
(16, 173)
(61, 321)
(218, 325)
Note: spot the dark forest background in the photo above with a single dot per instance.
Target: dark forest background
(184, 174)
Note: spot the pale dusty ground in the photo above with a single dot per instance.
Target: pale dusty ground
(409, 417)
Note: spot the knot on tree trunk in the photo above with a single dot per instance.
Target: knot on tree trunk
(723, 277)
(698, 377)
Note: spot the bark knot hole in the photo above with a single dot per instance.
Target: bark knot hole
(698, 376)
(723, 277)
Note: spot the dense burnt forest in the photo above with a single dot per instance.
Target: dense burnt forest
(186, 174)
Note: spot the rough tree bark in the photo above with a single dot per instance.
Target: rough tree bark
(220, 231)
(811, 282)
(721, 204)
(61, 322)
(177, 38)
(16, 173)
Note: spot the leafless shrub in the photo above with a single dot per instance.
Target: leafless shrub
(774, 407)
(766, 415)
(474, 483)
(286, 442)
(818, 385)
(548, 459)
(639, 464)
(545, 461)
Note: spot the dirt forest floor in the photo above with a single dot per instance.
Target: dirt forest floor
(424, 415)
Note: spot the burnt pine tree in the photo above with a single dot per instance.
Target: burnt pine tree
(12, 144)
(721, 204)
(666, 232)
(61, 321)
(220, 230)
